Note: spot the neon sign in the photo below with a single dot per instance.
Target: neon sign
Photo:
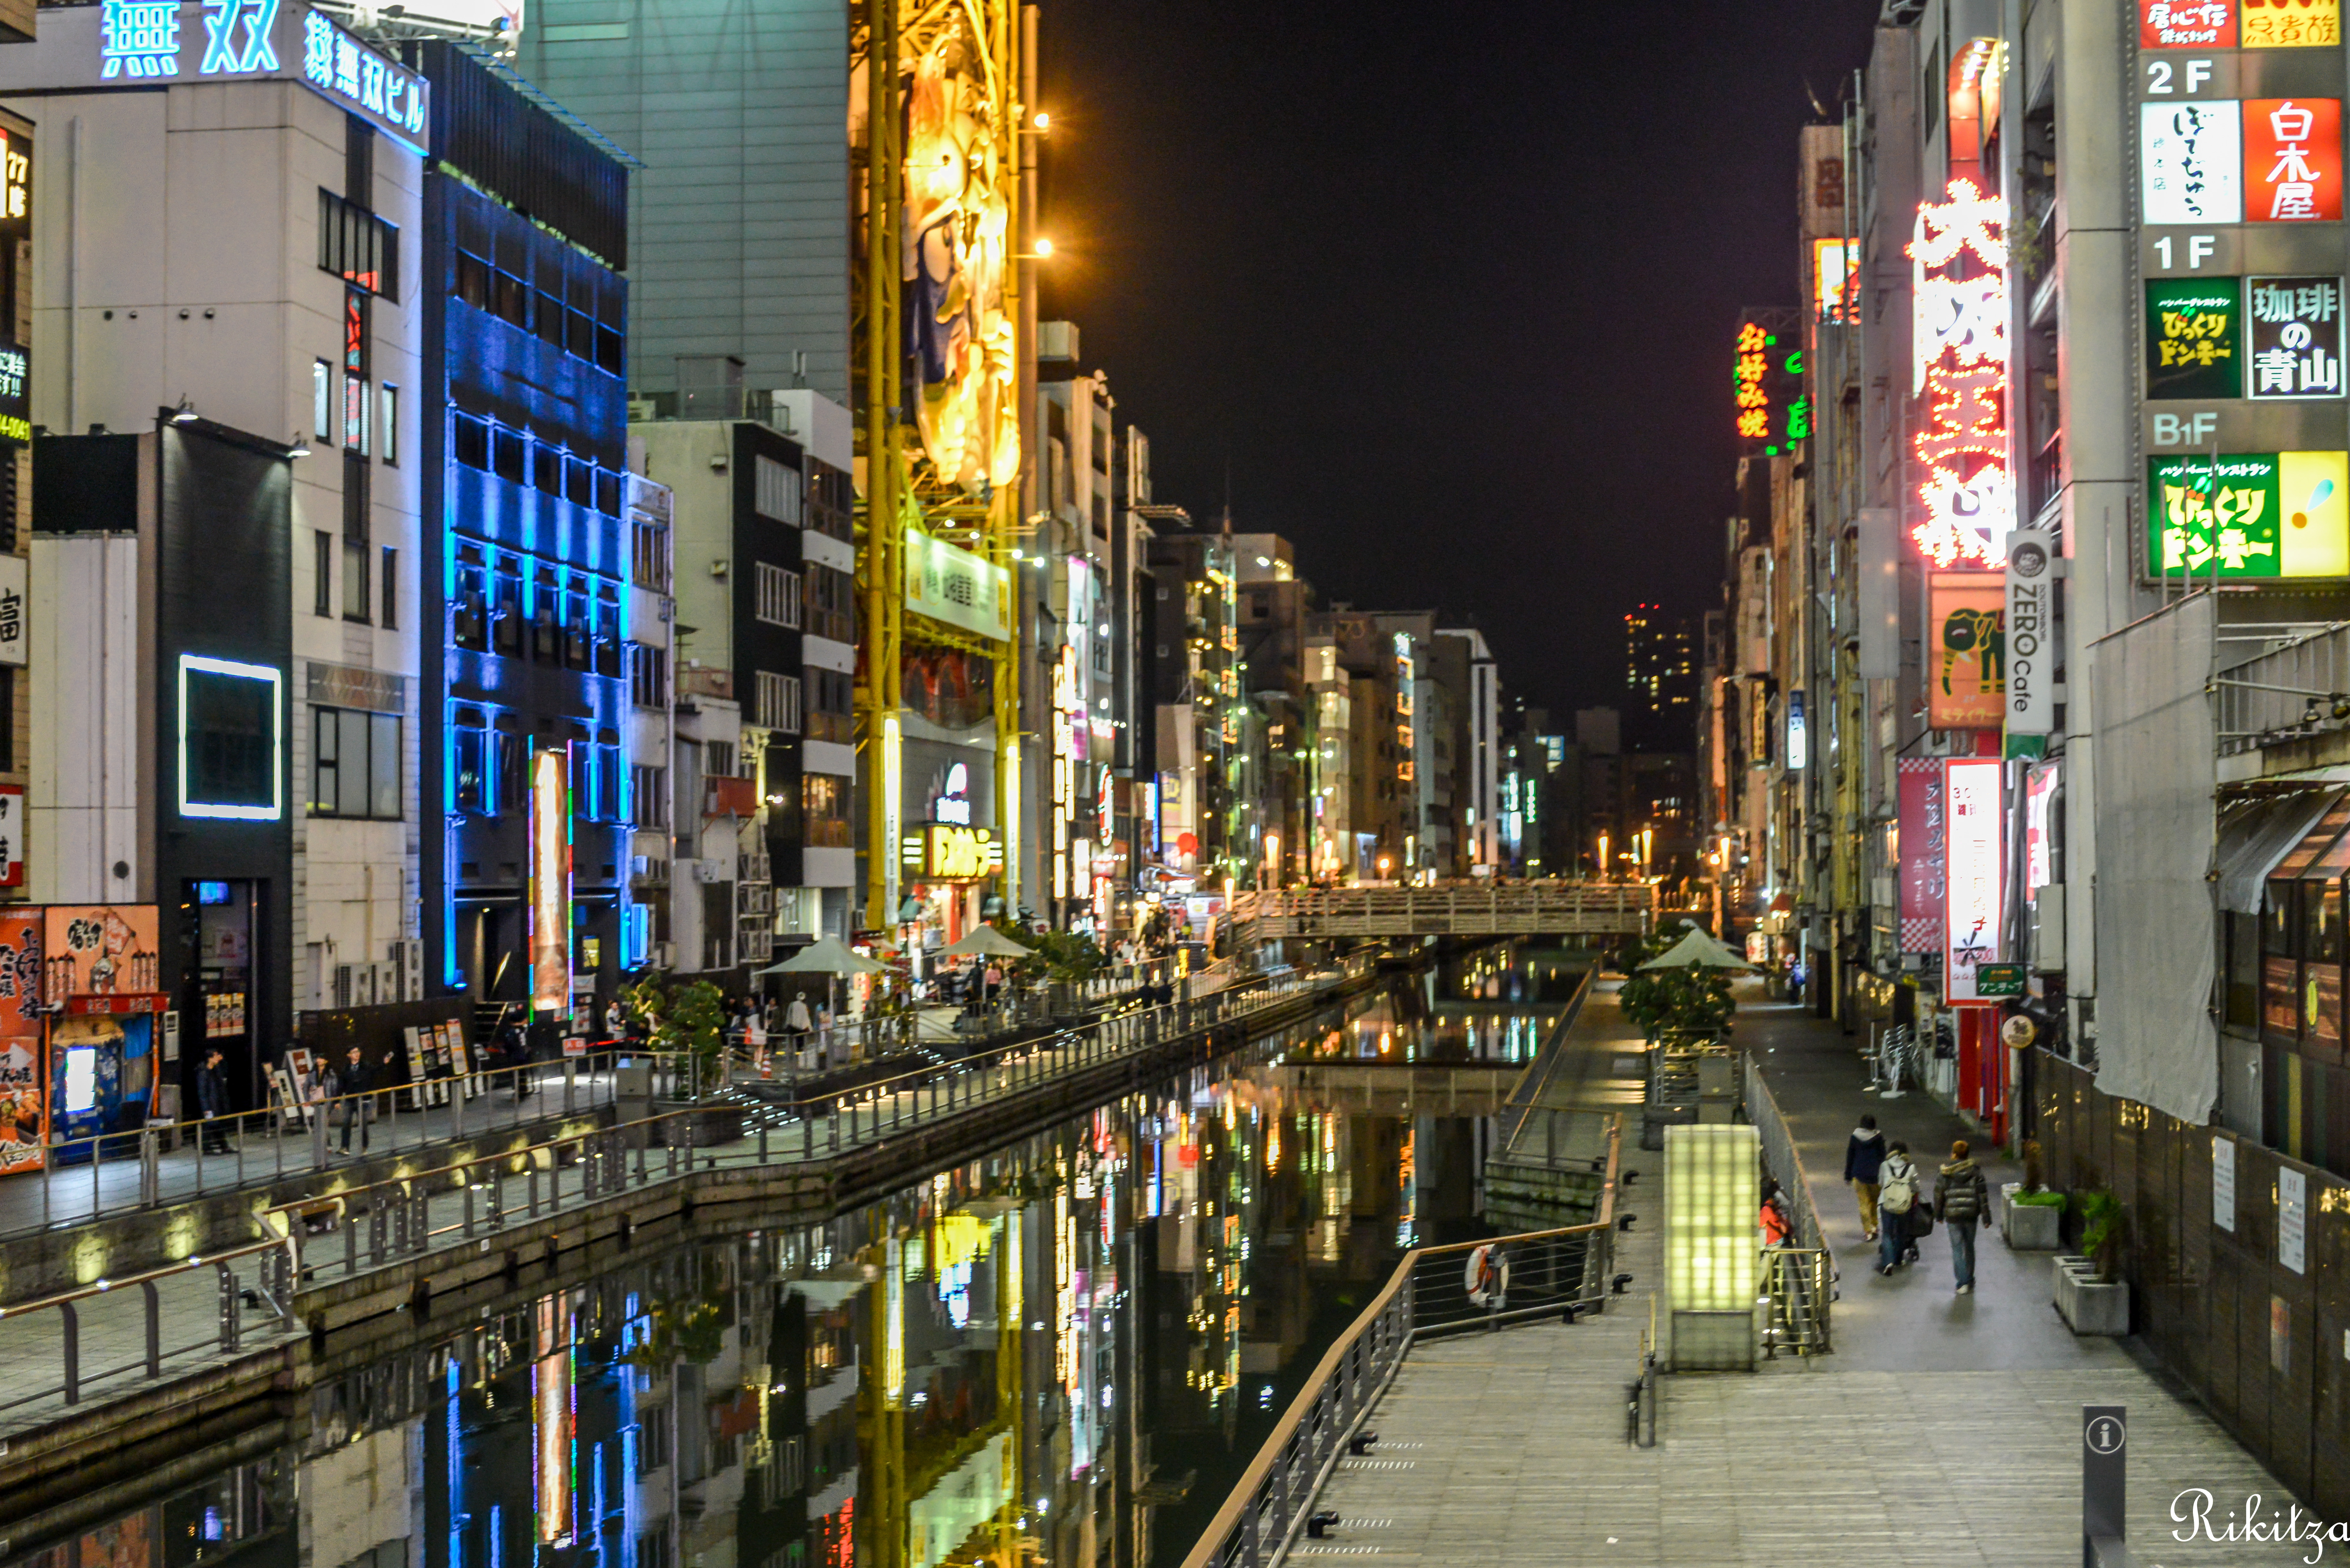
(1972, 874)
(199, 39)
(1960, 341)
(1767, 381)
(550, 881)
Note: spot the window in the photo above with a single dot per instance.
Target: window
(387, 439)
(649, 787)
(391, 620)
(831, 604)
(510, 299)
(472, 443)
(828, 501)
(229, 738)
(473, 769)
(580, 335)
(546, 469)
(473, 280)
(718, 759)
(322, 401)
(776, 702)
(549, 325)
(824, 812)
(510, 455)
(579, 481)
(650, 556)
(775, 490)
(647, 675)
(323, 568)
(355, 764)
(608, 492)
(832, 695)
(778, 595)
(611, 350)
(357, 246)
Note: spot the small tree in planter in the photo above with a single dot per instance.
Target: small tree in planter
(2104, 1229)
(1690, 1001)
(690, 1020)
(2091, 1295)
(2034, 1217)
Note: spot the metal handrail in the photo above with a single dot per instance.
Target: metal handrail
(281, 1269)
(275, 1125)
(397, 1208)
(1270, 1504)
(1528, 1090)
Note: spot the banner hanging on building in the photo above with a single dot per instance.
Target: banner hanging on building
(23, 1118)
(1923, 835)
(1966, 665)
(1970, 789)
(2031, 648)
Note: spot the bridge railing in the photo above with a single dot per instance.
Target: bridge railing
(1435, 1289)
(1465, 909)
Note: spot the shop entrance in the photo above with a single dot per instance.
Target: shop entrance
(223, 1018)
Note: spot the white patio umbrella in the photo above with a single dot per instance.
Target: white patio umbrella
(827, 956)
(1697, 950)
(985, 942)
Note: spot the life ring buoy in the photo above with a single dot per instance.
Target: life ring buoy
(1487, 1276)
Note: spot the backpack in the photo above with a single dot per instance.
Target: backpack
(1899, 1193)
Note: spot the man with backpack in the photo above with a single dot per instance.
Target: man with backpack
(1962, 1197)
(1896, 1195)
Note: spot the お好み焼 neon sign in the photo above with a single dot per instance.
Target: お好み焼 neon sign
(1959, 254)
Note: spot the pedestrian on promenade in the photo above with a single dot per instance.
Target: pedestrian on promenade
(1896, 1194)
(353, 1079)
(212, 1101)
(1778, 1230)
(1962, 1197)
(1863, 1159)
(796, 1026)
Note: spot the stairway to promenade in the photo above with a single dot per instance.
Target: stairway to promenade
(1942, 1430)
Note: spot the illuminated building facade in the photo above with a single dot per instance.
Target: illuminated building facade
(531, 577)
(227, 580)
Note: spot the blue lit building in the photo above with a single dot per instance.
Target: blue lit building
(527, 553)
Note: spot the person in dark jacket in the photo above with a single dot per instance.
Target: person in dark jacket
(1863, 1159)
(1962, 1199)
(1897, 1196)
(353, 1078)
(212, 1101)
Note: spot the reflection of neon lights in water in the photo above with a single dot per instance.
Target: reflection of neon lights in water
(955, 1292)
(456, 1467)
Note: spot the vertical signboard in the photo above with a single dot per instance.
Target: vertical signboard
(2194, 338)
(2191, 163)
(2292, 160)
(2293, 1219)
(1971, 872)
(1958, 257)
(2030, 627)
(550, 882)
(24, 1107)
(1924, 834)
(1966, 673)
(1767, 385)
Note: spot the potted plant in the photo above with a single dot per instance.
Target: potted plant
(2032, 1217)
(2091, 1295)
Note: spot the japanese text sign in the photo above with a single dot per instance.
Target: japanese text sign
(1957, 256)
(2191, 163)
(2194, 338)
(1971, 790)
(2186, 24)
(2295, 327)
(2256, 515)
(200, 40)
(2291, 23)
(1767, 388)
(2292, 160)
(1923, 833)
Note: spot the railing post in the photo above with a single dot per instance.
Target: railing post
(230, 1329)
(154, 1309)
(151, 1170)
(73, 1351)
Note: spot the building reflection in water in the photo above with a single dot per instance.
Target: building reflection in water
(1064, 1354)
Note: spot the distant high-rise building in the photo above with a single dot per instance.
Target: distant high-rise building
(1660, 681)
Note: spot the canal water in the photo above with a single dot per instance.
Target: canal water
(1064, 1354)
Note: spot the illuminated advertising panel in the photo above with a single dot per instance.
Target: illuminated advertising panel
(2257, 514)
(1923, 829)
(2292, 160)
(2191, 163)
(2294, 328)
(2194, 338)
(550, 882)
(2186, 24)
(1958, 256)
(2291, 23)
(1834, 278)
(2028, 625)
(1965, 686)
(1767, 386)
(1971, 873)
(950, 584)
(24, 1105)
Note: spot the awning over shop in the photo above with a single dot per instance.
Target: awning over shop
(2256, 835)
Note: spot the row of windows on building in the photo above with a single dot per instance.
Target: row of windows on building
(567, 328)
(365, 597)
(819, 599)
(493, 771)
(567, 618)
(515, 456)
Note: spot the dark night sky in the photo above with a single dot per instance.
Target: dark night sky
(1450, 289)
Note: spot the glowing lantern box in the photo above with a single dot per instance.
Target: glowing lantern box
(1713, 1190)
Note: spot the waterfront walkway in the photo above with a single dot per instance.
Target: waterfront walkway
(1943, 1430)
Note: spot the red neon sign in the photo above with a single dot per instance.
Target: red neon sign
(1959, 252)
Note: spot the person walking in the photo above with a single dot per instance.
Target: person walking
(797, 1027)
(1896, 1194)
(352, 1078)
(1863, 1159)
(1962, 1199)
(212, 1101)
